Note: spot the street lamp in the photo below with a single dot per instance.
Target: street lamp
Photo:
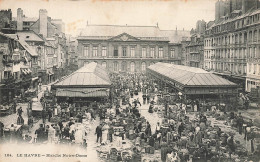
(180, 96)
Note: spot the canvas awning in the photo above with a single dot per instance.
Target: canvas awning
(82, 92)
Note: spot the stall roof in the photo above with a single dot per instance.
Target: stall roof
(82, 92)
(89, 75)
(189, 76)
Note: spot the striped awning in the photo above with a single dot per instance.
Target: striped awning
(26, 71)
(82, 92)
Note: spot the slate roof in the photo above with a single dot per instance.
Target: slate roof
(29, 36)
(140, 32)
(91, 74)
(27, 48)
(189, 76)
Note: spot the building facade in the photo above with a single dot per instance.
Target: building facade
(128, 48)
(232, 45)
(194, 51)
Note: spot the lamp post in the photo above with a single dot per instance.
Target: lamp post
(180, 96)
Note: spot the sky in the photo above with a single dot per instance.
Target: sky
(169, 14)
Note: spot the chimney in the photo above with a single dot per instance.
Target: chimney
(19, 19)
(43, 22)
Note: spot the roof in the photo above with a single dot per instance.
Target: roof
(139, 32)
(27, 19)
(10, 36)
(82, 92)
(27, 48)
(189, 76)
(29, 35)
(90, 75)
(175, 36)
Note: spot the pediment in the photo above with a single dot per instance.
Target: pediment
(124, 37)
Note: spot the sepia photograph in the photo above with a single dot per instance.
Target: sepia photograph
(129, 80)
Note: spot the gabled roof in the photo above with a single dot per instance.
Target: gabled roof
(29, 35)
(189, 76)
(124, 37)
(90, 75)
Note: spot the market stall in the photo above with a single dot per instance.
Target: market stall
(193, 83)
(89, 83)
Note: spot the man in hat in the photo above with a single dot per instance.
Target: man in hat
(99, 132)
(20, 111)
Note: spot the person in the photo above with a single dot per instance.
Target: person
(51, 134)
(60, 125)
(150, 110)
(148, 131)
(240, 122)
(158, 127)
(12, 133)
(72, 136)
(80, 117)
(20, 111)
(144, 98)
(180, 128)
(110, 133)
(1, 130)
(248, 128)
(43, 115)
(49, 114)
(164, 149)
(20, 120)
(99, 133)
(84, 144)
(39, 134)
(231, 145)
(30, 121)
(14, 107)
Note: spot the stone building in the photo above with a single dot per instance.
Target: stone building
(129, 48)
(194, 51)
(232, 45)
(5, 18)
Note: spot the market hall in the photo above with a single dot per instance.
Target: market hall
(193, 83)
(91, 82)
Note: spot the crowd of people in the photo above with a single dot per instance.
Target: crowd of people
(179, 134)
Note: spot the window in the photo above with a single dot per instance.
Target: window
(124, 51)
(172, 52)
(104, 51)
(160, 52)
(254, 69)
(132, 51)
(7, 74)
(104, 64)
(124, 66)
(152, 52)
(115, 66)
(95, 51)
(85, 51)
(50, 61)
(143, 52)
(143, 66)
(132, 69)
(115, 51)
